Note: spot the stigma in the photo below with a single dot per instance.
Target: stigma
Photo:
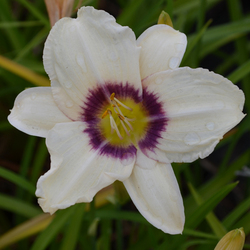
(125, 122)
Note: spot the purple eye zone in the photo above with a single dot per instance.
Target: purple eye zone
(93, 106)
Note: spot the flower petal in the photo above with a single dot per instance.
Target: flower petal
(155, 193)
(200, 106)
(162, 48)
(77, 171)
(87, 52)
(35, 112)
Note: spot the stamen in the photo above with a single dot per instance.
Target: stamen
(106, 113)
(114, 126)
(112, 96)
(126, 107)
(126, 130)
(119, 111)
(127, 122)
(115, 103)
(130, 119)
(121, 117)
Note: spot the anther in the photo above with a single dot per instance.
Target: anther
(121, 117)
(107, 111)
(115, 103)
(112, 96)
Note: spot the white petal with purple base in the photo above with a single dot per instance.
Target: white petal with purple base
(87, 52)
(77, 171)
(155, 192)
(200, 106)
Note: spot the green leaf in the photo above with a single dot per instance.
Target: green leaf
(195, 233)
(240, 72)
(18, 180)
(193, 42)
(121, 215)
(216, 183)
(244, 222)
(184, 6)
(35, 11)
(73, 230)
(9, 25)
(236, 213)
(37, 39)
(45, 238)
(199, 214)
(18, 206)
(212, 220)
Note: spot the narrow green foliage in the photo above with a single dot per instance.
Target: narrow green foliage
(194, 42)
(236, 214)
(73, 230)
(240, 72)
(18, 206)
(17, 179)
(212, 220)
(46, 237)
(36, 12)
(196, 218)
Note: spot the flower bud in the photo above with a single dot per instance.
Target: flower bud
(233, 240)
(164, 18)
(58, 9)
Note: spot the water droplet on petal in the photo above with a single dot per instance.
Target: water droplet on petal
(174, 62)
(191, 138)
(210, 126)
(69, 104)
(158, 80)
(81, 62)
(127, 159)
(179, 47)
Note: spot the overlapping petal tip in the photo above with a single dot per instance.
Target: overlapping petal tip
(201, 107)
(162, 48)
(35, 112)
(86, 52)
(155, 192)
(77, 172)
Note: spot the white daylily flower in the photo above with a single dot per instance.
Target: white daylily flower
(121, 109)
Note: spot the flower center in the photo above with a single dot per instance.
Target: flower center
(127, 121)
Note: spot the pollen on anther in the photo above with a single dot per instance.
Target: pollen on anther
(112, 96)
(107, 112)
(121, 117)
